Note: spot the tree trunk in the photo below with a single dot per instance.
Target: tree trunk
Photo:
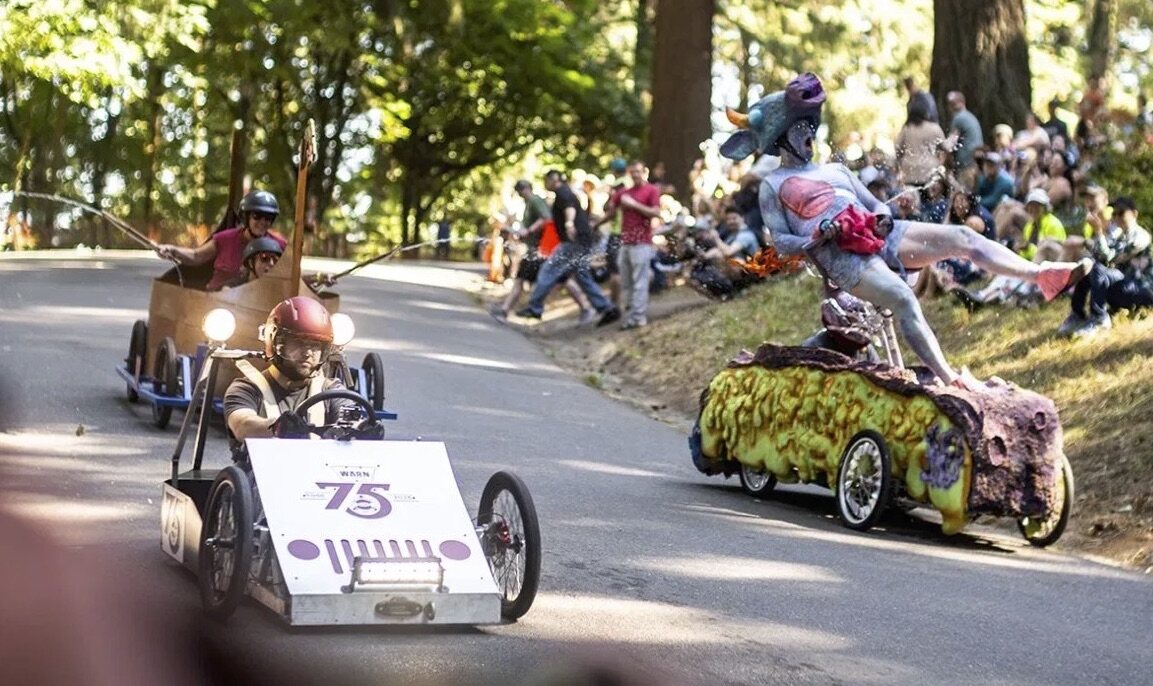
(643, 54)
(682, 87)
(152, 148)
(1102, 38)
(981, 50)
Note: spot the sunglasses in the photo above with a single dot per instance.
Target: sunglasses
(266, 216)
(268, 257)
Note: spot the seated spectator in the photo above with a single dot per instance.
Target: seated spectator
(736, 240)
(1121, 277)
(1003, 146)
(934, 200)
(880, 189)
(995, 183)
(906, 205)
(1032, 136)
(946, 275)
(1059, 184)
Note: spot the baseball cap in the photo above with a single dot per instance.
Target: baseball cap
(1039, 196)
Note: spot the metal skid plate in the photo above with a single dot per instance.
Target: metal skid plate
(329, 503)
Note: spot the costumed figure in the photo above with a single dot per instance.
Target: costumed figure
(859, 246)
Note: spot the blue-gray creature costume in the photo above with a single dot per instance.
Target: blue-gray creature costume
(862, 249)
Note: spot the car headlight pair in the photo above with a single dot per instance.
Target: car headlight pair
(220, 324)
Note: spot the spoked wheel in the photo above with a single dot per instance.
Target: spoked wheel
(374, 380)
(755, 482)
(166, 379)
(137, 349)
(863, 481)
(510, 537)
(1045, 531)
(226, 543)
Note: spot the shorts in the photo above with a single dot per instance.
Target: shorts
(530, 267)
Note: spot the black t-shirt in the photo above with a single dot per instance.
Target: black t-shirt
(565, 198)
(242, 393)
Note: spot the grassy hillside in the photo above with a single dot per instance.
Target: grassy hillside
(1103, 386)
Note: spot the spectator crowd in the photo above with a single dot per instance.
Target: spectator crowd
(613, 241)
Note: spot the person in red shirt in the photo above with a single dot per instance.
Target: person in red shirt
(639, 205)
(225, 249)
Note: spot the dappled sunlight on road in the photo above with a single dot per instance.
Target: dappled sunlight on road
(55, 439)
(440, 307)
(420, 275)
(625, 621)
(53, 313)
(999, 553)
(484, 362)
(616, 470)
(730, 568)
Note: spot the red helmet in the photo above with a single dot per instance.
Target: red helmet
(301, 317)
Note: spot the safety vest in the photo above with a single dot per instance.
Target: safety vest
(271, 407)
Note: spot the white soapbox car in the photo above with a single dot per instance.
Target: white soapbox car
(344, 529)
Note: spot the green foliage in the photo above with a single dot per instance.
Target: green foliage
(1127, 172)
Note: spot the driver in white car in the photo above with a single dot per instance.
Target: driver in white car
(297, 341)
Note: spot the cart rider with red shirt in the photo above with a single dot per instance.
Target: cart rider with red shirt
(225, 249)
(297, 340)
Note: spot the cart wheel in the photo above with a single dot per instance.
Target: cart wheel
(863, 481)
(755, 482)
(374, 380)
(137, 349)
(226, 544)
(510, 537)
(1044, 532)
(166, 379)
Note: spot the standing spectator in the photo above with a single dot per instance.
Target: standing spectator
(1120, 277)
(1090, 109)
(1144, 122)
(571, 256)
(537, 218)
(995, 183)
(921, 99)
(1054, 126)
(964, 139)
(917, 145)
(443, 238)
(639, 205)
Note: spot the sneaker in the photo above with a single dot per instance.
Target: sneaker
(970, 301)
(527, 313)
(587, 317)
(1093, 327)
(631, 325)
(498, 314)
(609, 316)
(1071, 324)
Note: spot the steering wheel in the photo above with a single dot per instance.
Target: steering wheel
(363, 404)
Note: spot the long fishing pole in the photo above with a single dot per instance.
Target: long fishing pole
(115, 221)
(325, 280)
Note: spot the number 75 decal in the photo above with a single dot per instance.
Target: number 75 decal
(368, 502)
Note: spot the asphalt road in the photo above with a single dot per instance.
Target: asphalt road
(647, 564)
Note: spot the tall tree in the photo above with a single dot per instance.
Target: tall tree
(987, 61)
(1102, 38)
(682, 86)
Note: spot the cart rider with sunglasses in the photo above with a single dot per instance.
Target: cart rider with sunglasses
(260, 256)
(297, 341)
(225, 249)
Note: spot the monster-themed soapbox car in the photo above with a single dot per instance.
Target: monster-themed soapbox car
(167, 352)
(875, 432)
(347, 528)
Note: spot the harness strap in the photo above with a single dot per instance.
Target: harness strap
(271, 407)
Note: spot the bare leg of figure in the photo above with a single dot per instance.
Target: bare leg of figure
(577, 294)
(884, 288)
(513, 296)
(925, 244)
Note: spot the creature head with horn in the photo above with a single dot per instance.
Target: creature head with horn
(780, 123)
